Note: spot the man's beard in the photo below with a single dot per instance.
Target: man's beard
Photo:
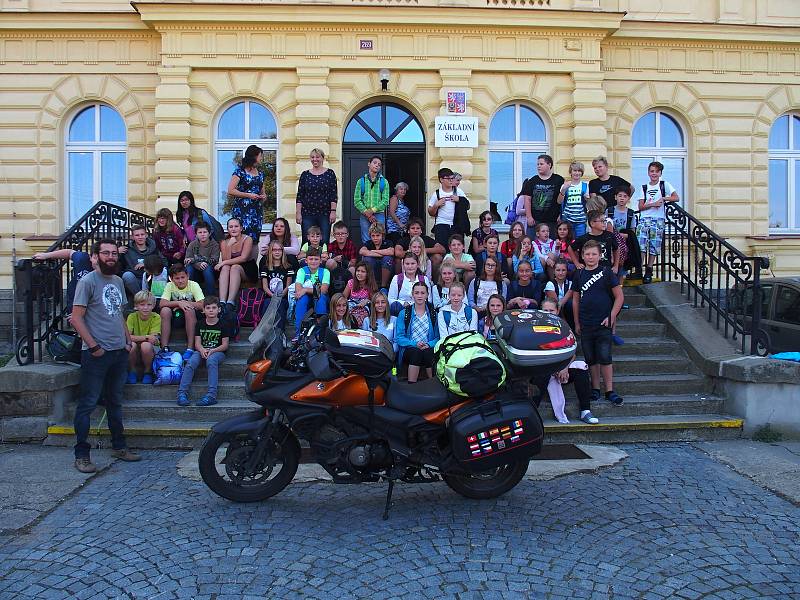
(107, 269)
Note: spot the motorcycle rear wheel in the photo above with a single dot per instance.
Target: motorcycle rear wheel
(487, 484)
(222, 465)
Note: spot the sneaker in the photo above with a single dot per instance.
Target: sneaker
(132, 378)
(648, 276)
(183, 399)
(126, 455)
(596, 395)
(618, 341)
(207, 400)
(564, 421)
(187, 354)
(164, 350)
(588, 417)
(147, 379)
(84, 465)
(614, 398)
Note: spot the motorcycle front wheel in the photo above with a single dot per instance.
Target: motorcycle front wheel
(225, 465)
(487, 484)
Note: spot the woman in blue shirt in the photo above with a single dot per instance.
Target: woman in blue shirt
(416, 334)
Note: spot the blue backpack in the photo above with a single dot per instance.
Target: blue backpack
(168, 368)
(363, 184)
(447, 314)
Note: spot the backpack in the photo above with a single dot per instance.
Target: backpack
(217, 232)
(363, 184)
(511, 211)
(461, 215)
(168, 368)
(448, 314)
(65, 346)
(230, 321)
(339, 278)
(250, 306)
(431, 310)
(467, 366)
(401, 279)
(661, 187)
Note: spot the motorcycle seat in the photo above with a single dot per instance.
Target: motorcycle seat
(417, 398)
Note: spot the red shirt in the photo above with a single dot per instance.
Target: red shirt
(348, 252)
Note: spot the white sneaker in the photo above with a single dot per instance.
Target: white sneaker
(587, 417)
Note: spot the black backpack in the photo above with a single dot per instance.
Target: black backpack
(65, 346)
(339, 278)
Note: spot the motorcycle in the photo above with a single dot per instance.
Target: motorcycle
(335, 391)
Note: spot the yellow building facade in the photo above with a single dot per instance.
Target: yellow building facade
(707, 87)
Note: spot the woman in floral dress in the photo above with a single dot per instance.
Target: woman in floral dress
(247, 187)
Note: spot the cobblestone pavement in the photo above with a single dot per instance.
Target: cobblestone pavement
(669, 522)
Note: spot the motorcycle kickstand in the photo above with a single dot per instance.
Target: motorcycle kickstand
(388, 500)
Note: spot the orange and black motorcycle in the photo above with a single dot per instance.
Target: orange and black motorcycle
(335, 391)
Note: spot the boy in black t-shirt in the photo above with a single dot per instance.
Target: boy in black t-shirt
(609, 247)
(597, 299)
(605, 185)
(379, 254)
(211, 341)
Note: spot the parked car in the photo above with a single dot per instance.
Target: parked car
(779, 327)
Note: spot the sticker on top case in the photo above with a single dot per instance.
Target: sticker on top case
(525, 316)
(546, 329)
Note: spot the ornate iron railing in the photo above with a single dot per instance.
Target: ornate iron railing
(715, 276)
(40, 284)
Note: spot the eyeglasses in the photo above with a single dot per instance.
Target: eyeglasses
(490, 266)
(108, 253)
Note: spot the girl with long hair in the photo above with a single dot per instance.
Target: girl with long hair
(380, 320)
(494, 306)
(440, 292)
(283, 233)
(417, 247)
(358, 291)
(489, 282)
(236, 264)
(169, 237)
(277, 275)
(515, 234)
(338, 317)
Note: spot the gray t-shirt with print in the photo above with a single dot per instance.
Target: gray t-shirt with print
(103, 296)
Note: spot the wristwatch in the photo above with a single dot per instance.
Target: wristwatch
(94, 349)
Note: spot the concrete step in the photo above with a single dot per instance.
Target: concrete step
(652, 364)
(644, 346)
(164, 410)
(641, 406)
(637, 314)
(646, 429)
(633, 297)
(633, 329)
(625, 385)
(657, 385)
(190, 434)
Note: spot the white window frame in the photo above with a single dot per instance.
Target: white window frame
(657, 153)
(518, 148)
(792, 157)
(241, 145)
(97, 149)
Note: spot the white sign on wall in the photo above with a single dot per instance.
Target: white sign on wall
(456, 132)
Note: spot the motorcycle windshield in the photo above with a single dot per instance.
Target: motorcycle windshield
(265, 333)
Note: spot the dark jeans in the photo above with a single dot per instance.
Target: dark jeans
(441, 233)
(596, 344)
(205, 277)
(321, 221)
(104, 376)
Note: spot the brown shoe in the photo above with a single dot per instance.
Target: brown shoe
(84, 465)
(126, 455)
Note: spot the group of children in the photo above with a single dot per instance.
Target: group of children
(413, 291)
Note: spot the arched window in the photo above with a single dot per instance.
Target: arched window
(96, 162)
(784, 174)
(241, 124)
(657, 136)
(517, 136)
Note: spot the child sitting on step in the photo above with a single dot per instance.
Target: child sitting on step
(211, 339)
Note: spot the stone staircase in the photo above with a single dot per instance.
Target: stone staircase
(666, 397)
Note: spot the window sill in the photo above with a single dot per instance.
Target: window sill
(775, 236)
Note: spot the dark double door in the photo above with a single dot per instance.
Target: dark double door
(406, 165)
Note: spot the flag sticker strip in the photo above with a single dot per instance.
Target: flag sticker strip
(496, 438)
